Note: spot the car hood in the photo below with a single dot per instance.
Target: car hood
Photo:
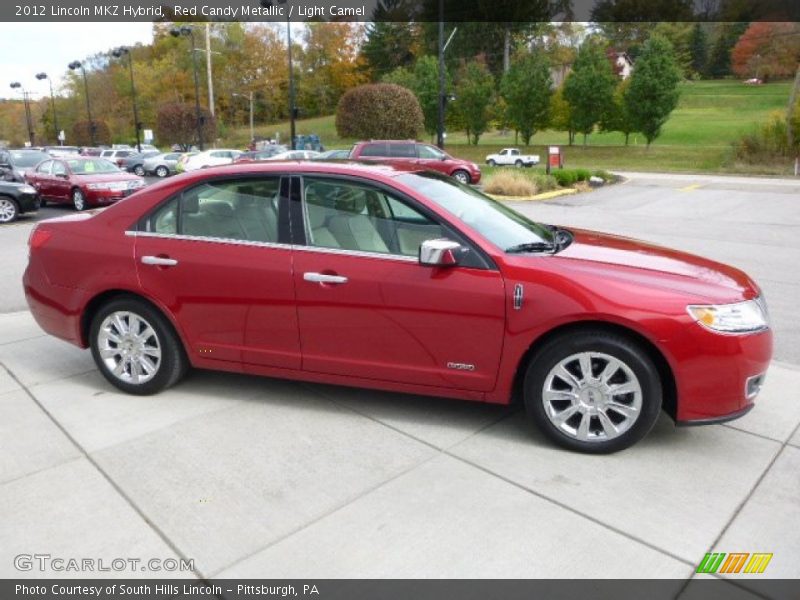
(105, 177)
(656, 266)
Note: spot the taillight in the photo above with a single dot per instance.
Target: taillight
(39, 237)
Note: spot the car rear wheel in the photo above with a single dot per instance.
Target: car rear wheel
(162, 171)
(138, 170)
(78, 199)
(461, 176)
(595, 392)
(135, 347)
(9, 211)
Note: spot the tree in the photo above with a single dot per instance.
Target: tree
(680, 36)
(379, 110)
(561, 115)
(653, 90)
(767, 50)
(423, 80)
(474, 91)
(719, 59)
(618, 118)
(176, 123)
(589, 87)
(698, 47)
(389, 45)
(526, 89)
(82, 135)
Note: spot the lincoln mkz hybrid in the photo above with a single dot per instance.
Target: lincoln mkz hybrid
(398, 279)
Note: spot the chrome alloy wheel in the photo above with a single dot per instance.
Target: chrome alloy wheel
(8, 211)
(129, 347)
(592, 397)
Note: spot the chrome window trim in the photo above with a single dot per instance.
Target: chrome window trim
(215, 240)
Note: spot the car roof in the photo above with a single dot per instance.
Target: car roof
(345, 167)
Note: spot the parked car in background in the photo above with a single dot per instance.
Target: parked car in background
(333, 155)
(62, 151)
(211, 158)
(265, 153)
(82, 182)
(116, 155)
(91, 151)
(134, 163)
(295, 155)
(404, 280)
(162, 164)
(15, 163)
(16, 199)
(513, 157)
(414, 155)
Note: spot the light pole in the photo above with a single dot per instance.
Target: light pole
(76, 64)
(16, 85)
(250, 95)
(118, 53)
(40, 77)
(189, 31)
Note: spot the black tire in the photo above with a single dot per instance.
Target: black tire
(42, 202)
(138, 170)
(462, 176)
(9, 210)
(492, 163)
(518, 164)
(617, 346)
(173, 363)
(79, 200)
(162, 171)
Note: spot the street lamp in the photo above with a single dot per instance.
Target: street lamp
(292, 107)
(185, 30)
(16, 85)
(40, 77)
(118, 53)
(74, 65)
(250, 95)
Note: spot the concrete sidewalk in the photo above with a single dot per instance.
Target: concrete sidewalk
(255, 477)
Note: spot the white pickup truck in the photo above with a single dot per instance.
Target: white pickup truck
(512, 156)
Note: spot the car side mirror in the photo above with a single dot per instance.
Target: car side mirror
(440, 253)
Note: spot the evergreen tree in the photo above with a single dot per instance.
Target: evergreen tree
(589, 88)
(653, 91)
(698, 46)
(526, 89)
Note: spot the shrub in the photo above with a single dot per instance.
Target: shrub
(510, 183)
(379, 111)
(769, 141)
(582, 174)
(81, 134)
(565, 177)
(604, 175)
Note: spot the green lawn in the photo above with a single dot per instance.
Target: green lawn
(711, 115)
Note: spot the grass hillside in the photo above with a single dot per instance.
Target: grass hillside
(711, 115)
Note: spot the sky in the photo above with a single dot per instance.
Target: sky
(30, 48)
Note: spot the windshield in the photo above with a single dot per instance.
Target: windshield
(27, 159)
(90, 167)
(494, 221)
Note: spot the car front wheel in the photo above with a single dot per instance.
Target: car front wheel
(138, 170)
(594, 391)
(162, 171)
(9, 211)
(461, 176)
(78, 199)
(136, 348)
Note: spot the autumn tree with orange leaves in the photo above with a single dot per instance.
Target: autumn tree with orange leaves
(767, 51)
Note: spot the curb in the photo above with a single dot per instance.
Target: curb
(545, 196)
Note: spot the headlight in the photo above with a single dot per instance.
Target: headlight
(742, 317)
(27, 189)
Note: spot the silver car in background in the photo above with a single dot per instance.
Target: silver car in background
(162, 165)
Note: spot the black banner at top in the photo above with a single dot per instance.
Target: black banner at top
(500, 11)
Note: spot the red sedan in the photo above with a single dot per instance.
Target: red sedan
(82, 182)
(409, 281)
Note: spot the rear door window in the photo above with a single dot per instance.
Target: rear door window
(402, 151)
(374, 150)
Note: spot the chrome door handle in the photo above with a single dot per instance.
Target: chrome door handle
(321, 278)
(159, 261)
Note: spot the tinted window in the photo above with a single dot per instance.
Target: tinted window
(374, 150)
(358, 217)
(402, 151)
(245, 210)
(426, 151)
(27, 159)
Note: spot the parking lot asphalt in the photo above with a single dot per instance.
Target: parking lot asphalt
(266, 478)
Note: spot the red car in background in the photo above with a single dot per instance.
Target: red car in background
(408, 154)
(82, 182)
(409, 281)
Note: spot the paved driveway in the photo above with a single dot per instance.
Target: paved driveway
(265, 478)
